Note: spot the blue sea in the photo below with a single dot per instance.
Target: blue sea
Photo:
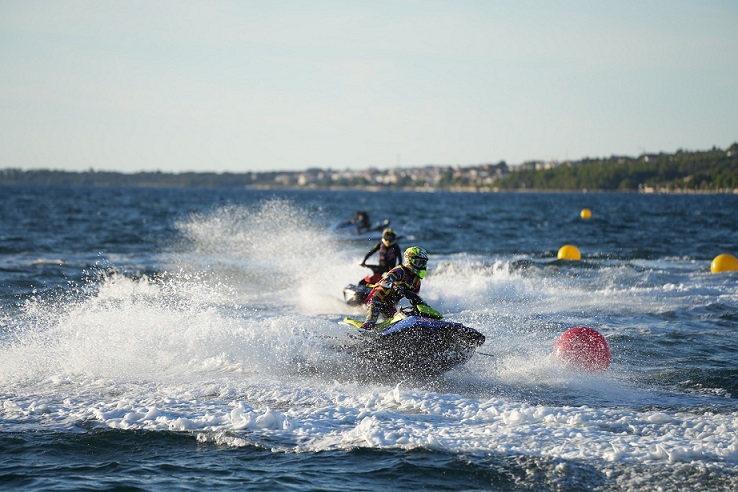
(183, 339)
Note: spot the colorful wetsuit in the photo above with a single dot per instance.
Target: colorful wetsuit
(389, 291)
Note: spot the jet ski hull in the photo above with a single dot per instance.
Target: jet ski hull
(417, 346)
(355, 294)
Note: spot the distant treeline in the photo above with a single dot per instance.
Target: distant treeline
(714, 170)
(110, 178)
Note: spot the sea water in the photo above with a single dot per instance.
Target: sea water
(183, 339)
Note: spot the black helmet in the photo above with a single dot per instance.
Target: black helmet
(388, 236)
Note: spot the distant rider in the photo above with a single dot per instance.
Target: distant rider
(402, 281)
(361, 219)
(390, 255)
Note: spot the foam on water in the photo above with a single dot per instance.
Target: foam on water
(302, 416)
(232, 342)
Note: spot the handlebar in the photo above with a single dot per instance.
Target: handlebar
(421, 310)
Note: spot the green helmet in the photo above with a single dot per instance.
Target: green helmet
(416, 259)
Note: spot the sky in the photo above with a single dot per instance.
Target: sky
(265, 85)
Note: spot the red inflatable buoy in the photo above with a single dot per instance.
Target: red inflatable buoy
(584, 349)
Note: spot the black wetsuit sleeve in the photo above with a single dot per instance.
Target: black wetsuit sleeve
(371, 252)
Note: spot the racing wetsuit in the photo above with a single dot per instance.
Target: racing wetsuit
(395, 285)
(388, 256)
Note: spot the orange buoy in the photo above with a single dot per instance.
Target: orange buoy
(585, 213)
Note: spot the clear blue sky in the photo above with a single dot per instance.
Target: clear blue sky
(252, 85)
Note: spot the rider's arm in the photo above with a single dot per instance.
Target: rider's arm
(390, 280)
(413, 297)
(371, 252)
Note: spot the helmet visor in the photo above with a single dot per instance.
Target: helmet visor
(419, 263)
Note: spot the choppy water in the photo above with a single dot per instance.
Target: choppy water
(180, 340)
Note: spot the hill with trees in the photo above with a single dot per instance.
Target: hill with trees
(714, 170)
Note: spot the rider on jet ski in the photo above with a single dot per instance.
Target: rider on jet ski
(402, 281)
(390, 255)
(361, 220)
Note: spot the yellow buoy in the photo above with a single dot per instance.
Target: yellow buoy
(585, 213)
(724, 263)
(569, 252)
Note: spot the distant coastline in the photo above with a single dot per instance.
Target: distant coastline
(709, 171)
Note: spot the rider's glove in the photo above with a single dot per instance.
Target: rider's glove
(413, 297)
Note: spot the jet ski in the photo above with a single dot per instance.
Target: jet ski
(415, 342)
(356, 294)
